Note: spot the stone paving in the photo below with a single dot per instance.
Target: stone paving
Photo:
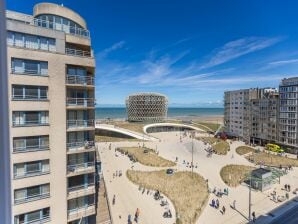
(129, 198)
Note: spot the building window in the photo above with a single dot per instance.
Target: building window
(30, 41)
(29, 169)
(29, 67)
(30, 118)
(20, 92)
(28, 144)
(38, 216)
(31, 193)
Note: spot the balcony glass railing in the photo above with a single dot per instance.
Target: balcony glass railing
(32, 198)
(44, 219)
(30, 148)
(29, 123)
(29, 72)
(80, 167)
(49, 25)
(29, 97)
(76, 52)
(77, 145)
(85, 210)
(85, 102)
(84, 187)
(79, 80)
(80, 123)
(23, 174)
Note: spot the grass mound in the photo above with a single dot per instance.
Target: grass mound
(220, 146)
(150, 158)
(188, 194)
(272, 159)
(102, 138)
(241, 150)
(234, 175)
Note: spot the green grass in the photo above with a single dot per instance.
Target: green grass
(212, 126)
(271, 159)
(101, 138)
(221, 148)
(241, 150)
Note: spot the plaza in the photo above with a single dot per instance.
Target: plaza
(173, 147)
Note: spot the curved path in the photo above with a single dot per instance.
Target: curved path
(171, 125)
(112, 128)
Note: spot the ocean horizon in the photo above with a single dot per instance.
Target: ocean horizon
(120, 112)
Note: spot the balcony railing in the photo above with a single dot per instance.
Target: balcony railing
(32, 198)
(80, 167)
(28, 72)
(80, 123)
(18, 175)
(80, 80)
(81, 212)
(19, 17)
(29, 123)
(36, 221)
(74, 146)
(34, 46)
(75, 52)
(85, 102)
(31, 148)
(81, 190)
(30, 97)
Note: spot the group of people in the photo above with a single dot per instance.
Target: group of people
(118, 173)
(136, 218)
(215, 204)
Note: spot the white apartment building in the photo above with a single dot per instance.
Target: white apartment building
(51, 89)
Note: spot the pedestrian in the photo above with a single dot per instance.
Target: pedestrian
(213, 203)
(217, 203)
(129, 219)
(253, 216)
(223, 210)
(234, 204)
(114, 200)
(289, 187)
(286, 187)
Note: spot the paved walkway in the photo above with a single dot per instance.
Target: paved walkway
(128, 198)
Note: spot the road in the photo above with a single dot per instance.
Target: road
(289, 217)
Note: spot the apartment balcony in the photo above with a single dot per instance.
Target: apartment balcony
(78, 53)
(26, 19)
(79, 147)
(29, 123)
(81, 212)
(77, 169)
(31, 198)
(19, 175)
(73, 125)
(77, 80)
(79, 191)
(80, 102)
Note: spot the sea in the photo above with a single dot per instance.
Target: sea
(120, 112)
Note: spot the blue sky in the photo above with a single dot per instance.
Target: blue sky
(190, 50)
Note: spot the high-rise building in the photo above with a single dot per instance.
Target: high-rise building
(263, 112)
(288, 112)
(51, 90)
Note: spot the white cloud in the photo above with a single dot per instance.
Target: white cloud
(110, 49)
(235, 49)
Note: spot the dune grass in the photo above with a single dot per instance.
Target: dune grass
(241, 150)
(220, 146)
(102, 138)
(210, 126)
(271, 159)
(234, 175)
(188, 194)
(150, 158)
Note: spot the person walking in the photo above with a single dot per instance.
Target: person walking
(129, 219)
(217, 203)
(253, 216)
(114, 200)
(234, 204)
(223, 210)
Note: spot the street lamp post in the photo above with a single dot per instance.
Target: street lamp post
(249, 200)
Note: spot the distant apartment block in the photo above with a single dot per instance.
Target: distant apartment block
(263, 115)
(288, 112)
(51, 88)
